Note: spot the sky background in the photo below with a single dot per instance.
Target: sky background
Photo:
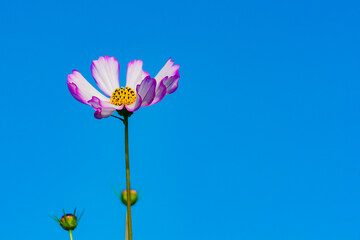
(260, 141)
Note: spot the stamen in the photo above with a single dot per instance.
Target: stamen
(123, 96)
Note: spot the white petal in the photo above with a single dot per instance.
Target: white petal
(160, 93)
(105, 71)
(82, 89)
(103, 113)
(136, 105)
(103, 109)
(146, 90)
(135, 74)
(168, 70)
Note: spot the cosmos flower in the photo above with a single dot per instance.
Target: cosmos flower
(140, 90)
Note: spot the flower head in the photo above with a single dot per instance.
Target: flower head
(133, 197)
(68, 221)
(140, 90)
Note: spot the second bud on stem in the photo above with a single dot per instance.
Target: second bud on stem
(133, 197)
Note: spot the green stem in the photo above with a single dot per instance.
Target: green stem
(126, 227)
(126, 122)
(70, 235)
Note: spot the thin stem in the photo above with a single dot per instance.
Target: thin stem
(126, 227)
(118, 118)
(127, 176)
(70, 235)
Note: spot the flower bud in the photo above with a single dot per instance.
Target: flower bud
(68, 222)
(133, 197)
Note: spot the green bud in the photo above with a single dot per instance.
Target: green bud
(68, 222)
(133, 197)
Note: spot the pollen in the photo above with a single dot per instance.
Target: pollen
(123, 96)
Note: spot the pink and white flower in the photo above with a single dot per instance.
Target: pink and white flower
(140, 90)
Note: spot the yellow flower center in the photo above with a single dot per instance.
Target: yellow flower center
(123, 96)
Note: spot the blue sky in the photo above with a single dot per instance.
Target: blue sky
(260, 141)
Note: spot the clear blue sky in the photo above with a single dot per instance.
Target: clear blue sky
(260, 141)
